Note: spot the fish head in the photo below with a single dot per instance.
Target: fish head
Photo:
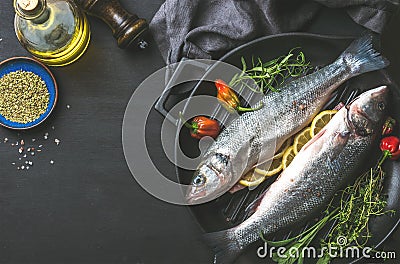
(366, 112)
(209, 179)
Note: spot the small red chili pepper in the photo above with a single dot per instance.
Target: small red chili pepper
(202, 126)
(389, 146)
(388, 126)
(229, 99)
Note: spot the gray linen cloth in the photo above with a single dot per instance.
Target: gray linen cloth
(209, 28)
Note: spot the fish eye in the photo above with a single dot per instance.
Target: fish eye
(381, 106)
(199, 180)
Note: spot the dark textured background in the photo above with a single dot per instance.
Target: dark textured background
(87, 208)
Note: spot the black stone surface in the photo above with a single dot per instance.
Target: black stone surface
(86, 207)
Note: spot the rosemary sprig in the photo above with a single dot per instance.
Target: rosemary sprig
(365, 200)
(272, 74)
(358, 203)
(299, 242)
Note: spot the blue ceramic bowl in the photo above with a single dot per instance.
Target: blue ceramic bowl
(31, 65)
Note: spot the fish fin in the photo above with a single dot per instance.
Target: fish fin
(315, 138)
(361, 57)
(224, 245)
(341, 139)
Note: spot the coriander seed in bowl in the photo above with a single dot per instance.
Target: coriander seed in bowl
(23, 96)
(28, 93)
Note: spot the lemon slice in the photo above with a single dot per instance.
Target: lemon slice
(288, 156)
(301, 139)
(321, 120)
(283, 148)
(287, 152)
(275, 167)
(257, 176)
(252, 179)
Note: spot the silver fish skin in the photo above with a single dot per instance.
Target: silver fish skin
(315, 174)
(255, 136)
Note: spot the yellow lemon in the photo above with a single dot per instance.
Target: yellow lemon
(257, 176)
(283, 148)
(276, 166)
(288, 156)
(252, 179)
(321, 120)
(301, 139)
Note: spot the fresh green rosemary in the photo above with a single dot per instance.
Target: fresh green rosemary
(358, 203)
(272, 74)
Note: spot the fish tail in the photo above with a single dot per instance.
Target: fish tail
(361, 57)
(224, 245)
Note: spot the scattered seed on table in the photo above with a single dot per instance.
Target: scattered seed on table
(68, 106)
(27, 150)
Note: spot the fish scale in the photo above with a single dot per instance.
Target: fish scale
(280, 115)
(254, 136)
(297, 199)
(310, 181)
(322, 166)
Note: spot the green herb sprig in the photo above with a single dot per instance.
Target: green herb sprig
(364, 200)
(358, 204)
(272, 74)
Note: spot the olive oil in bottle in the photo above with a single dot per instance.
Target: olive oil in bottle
(56, 32)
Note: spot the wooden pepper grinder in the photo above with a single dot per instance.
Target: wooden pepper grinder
(127, 28)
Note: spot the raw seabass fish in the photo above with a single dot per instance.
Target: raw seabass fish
(255, 136)
(322, 166)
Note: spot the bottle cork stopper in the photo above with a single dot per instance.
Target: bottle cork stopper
(28, 5)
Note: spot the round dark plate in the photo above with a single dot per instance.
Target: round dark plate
(30, 65)
(228, 210)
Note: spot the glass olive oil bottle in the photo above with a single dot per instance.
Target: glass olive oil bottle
(55, 32)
